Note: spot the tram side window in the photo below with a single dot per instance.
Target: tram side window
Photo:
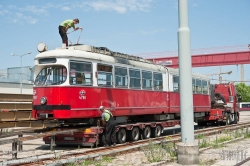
(80, 73)
(245, 105)
(135, 78)
(104, 77)
(204, 87)
(176, 83)
(146, 80)
(121, 77)
(193, 85)
(198, 86)
(158, 81)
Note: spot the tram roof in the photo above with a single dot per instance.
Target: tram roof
(103, 54)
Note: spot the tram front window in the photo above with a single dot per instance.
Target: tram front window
(54, 75)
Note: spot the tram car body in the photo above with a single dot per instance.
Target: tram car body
(71, 84)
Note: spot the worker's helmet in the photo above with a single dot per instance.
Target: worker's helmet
(101, 107)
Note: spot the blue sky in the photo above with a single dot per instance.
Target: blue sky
(127, 26)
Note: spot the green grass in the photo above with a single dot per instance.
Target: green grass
(205, 163)
(200, 136)
(87, 162)
(154, 152)
(204, 142)
(223, 139)
(107, 159)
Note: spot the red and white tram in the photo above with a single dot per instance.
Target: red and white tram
(71, 84)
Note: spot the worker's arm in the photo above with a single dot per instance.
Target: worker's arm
(103, 121)
(76, 28)
(66, 29)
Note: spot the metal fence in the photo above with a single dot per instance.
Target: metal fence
(14, 75)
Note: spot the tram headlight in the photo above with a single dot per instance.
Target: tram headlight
(43, 100)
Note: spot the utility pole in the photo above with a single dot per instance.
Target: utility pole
(242, 73)
(188, 149)
(220, 73)
(21, 71)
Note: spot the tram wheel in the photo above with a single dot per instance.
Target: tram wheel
(134, 134)
(146, 132)
(121, 136)
(156, 132)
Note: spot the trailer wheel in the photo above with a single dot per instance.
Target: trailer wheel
(228, 119)
(134, 134)
(236, 118)
(202, 123)
(146, 132)
(156, 132)
(121, 136)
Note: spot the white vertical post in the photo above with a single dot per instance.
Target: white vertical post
(185, 72)
(187, 150)
(21, 70)
(21, 77)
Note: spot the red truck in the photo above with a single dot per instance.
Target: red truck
(224, 105)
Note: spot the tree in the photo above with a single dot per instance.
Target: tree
(244, 91)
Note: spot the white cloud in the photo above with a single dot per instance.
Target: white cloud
(32, 13)
(65, 8)
(195, 4)
(107, 6)
(25, 14)
(4, 12)
(12, 7)
(34, 9)
(22, 17)
(151, 32)
(120, 6)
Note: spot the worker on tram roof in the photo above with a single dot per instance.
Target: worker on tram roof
(64, 26)
(109, 125)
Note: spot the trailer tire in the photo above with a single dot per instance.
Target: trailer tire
(121, 136)
(156, 132)
(228, 119)
(134, 134)
(146, 132)
(202, 123)
(236, 118)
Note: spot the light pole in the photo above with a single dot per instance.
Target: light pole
(21, 73)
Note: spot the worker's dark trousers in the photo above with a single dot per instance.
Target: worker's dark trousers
(63, 35)
(110, 135)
